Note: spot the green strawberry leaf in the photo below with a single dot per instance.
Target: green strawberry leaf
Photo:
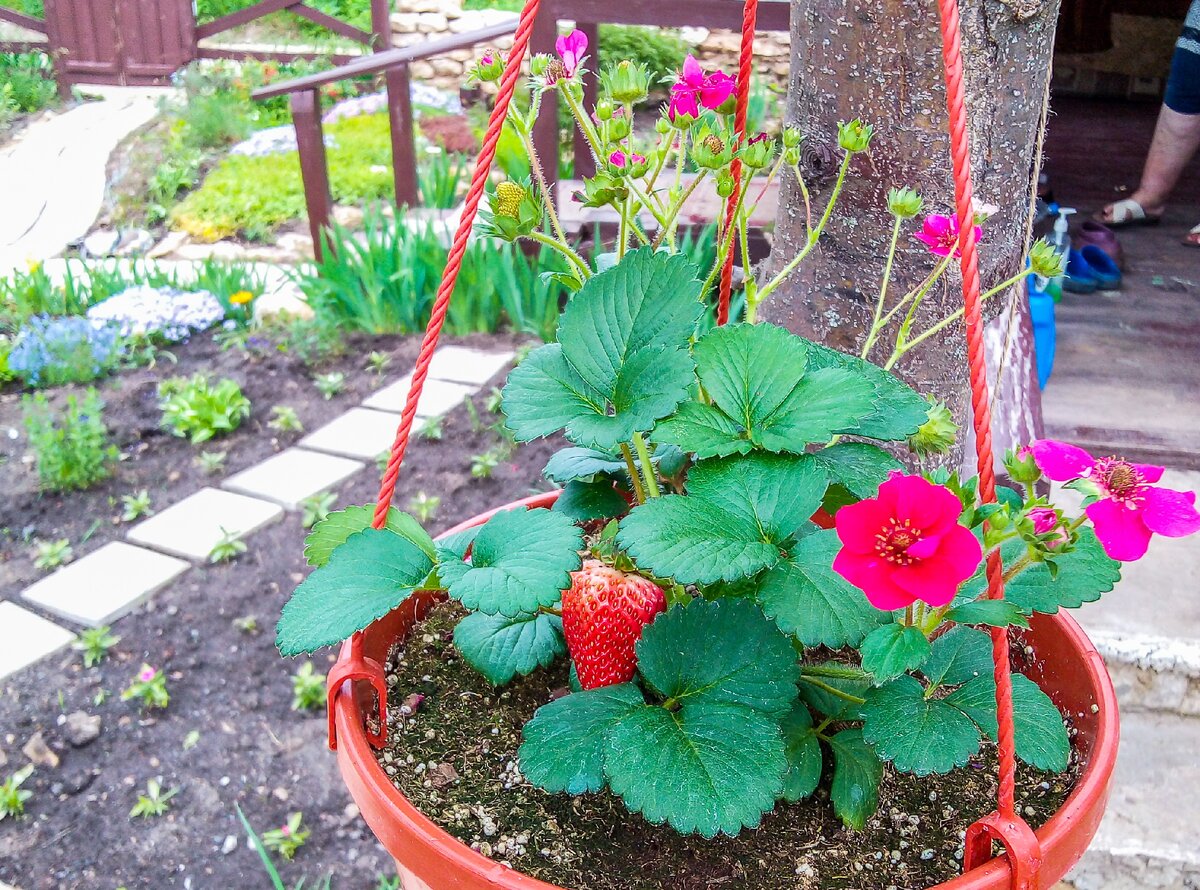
(859, 466)
(708, 768)
(959, 655)
(755, 375)
(1041, 736)
(332, 531)
(581, 464)
(899, 409)
(501, 648)
(521, 560)
(563, 747)
(737, 516)
(366, 577)
(807, 598)
(584, 501)
(458, 543)
(857, 773)
(892, 650)
(803, 750)
(827, 703)
(723, 652)
(977, 699)
(993, 613)
(918, 735)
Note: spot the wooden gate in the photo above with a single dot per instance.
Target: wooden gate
(134, 42)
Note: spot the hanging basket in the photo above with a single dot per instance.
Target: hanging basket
(1067, 667)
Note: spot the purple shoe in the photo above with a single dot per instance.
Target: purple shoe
(1096, 233)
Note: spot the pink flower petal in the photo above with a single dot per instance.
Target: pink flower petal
(1122, 532)
(927, 506)
(683, 101)
(1169, 512)
(872, 576)
(717, 89)
(692, 74)
(930, 581)
(858, 524)
(962, 550)
(1060, 461)
(1150, 473)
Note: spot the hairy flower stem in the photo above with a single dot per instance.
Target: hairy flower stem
(832, 690)
(634, 476)
(639, 442)
(535, 164)
(673, 211)
(873, 334)
(834, 672)
(795, 168)
(575, 259)
(813, 236)
(725, 244)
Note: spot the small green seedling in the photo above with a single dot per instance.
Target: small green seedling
(100, 697)
(135, 506)
(212, 462)
(284, 419)
(492, 401)
(424, 506)
(317, 507)
(155, 802)
(149, 687)
(191, 739)
(432, 429)
(12, 797)
(378, 362)
(381, 460)
(329, 385)
(247, 624)
(51, 554)
(94, 643)
(288, 838)
(308, 689)
(228, 547)
(482, 465)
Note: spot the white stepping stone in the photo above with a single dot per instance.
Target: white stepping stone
(292, 476)
(193, 527)
(25, 638)
(438, 397)
(360, 433)
(462, 365)
(106, 584)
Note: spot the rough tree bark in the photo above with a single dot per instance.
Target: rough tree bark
(880, 60)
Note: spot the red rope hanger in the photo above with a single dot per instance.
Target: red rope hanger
(1004, 825)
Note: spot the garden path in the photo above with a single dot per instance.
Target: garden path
(52, 176)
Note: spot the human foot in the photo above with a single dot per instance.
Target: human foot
(1131, 211)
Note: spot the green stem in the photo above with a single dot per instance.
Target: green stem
(795, 168)
(873, 334)
(673, 211)
(725, 244)
(550, 610)
(634, 476)
(576, 260)
(639, 442)
(834, 672)
(833, 690)
(539, 176)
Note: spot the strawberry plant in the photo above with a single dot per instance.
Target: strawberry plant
(754, 592)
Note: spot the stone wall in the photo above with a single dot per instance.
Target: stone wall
(417, 21)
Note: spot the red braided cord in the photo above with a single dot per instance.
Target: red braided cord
(745, 70)
(969, 263)
(483, 166)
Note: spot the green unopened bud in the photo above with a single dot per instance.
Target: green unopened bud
(725, 184)
(711, 151)
(538, 64)
(758, 152)
(1021, 467)
(937, 434)
(488, 68)
(618, 128)
(627, 82)
(601, 190)
(791, 137)
(791, 156)
(604, 110)
(904, 203)
(1044, 260)
(854, 136)
(662, 126)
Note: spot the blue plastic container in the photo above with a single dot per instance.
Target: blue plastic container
(1045, 340)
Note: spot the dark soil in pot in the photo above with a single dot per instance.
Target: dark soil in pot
(455, 758)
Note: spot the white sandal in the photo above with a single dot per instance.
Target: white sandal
(1126, 212)
(1192, 238)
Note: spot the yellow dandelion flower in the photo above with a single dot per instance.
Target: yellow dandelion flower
(241, 298)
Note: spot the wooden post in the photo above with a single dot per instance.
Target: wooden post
(404, 144)
(545, 128)
(585, 164)
(310, 143)
(381, 25)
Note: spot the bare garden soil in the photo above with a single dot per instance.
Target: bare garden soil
(227, 684)
(455, 757)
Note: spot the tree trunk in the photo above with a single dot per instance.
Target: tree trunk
(881, 61)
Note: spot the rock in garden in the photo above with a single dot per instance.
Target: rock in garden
(287, 300)
(102, 242)
(81, 728)
(39, 752)
(133, 242)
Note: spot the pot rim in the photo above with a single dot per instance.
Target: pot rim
(364, 777)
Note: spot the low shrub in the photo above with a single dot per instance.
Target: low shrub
(196, 409)
(50, 351)
(71, 448)
(660, 50)
(26, 83)
(161, 314)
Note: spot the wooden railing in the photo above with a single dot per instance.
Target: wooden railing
(377, 39)
(394, 65)
(29, 23)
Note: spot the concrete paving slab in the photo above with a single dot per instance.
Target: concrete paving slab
(26, 638)
(438, 397)
(193, 527)
(462, 365)
(104, 585)
(359, 433)
(292, 476)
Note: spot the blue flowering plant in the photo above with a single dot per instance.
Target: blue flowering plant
(50, 351)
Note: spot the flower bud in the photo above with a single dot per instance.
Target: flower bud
(1021, 467)
(627, 82)
(662, 126)
(791, 156)
(604, 110)
(711, 151)
(937, 434)
(904, 203)
(854, 136)
(618, 128)
(725, 184)
(791, 137)
(538, 64)
(488, 68)
(601, 190)
(758, 152)
(1044, 260)
(513, 211)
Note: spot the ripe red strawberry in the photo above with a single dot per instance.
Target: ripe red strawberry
(603, 614)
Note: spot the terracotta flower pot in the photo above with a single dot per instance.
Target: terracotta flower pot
(1068, 667)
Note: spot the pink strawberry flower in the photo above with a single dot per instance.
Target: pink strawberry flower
(1044, 520)
(1128, 508)
(906, 544)
(940, 232)
(695, 89)
(572, 49)
(147, 674)
(620, 159)
(718, 88)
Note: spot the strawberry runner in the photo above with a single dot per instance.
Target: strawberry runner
(1004, 825)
